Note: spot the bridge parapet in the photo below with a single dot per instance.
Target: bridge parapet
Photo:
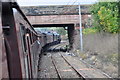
(55, 10)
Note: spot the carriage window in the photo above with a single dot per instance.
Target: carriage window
(23, 32)
(30, 38)
(29, 32)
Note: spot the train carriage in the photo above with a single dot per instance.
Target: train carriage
(20, 44)
(29, 46)
(3, 57)
(49, 37)
(56, 37)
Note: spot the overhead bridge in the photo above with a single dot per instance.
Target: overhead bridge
(58, 16)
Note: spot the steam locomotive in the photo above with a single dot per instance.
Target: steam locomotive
(20, 44)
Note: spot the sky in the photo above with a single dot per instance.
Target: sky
(53, 2)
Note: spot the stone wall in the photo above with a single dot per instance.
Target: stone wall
(103, 43)
(100, 43)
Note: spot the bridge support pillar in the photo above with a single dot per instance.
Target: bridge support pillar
(71, 36)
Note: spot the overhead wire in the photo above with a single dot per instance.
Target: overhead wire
(59, 13)
(63, 12)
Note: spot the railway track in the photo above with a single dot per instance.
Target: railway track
(68, 71)
(73, 68)
(57, 48)
(81, 71)
(67, 66)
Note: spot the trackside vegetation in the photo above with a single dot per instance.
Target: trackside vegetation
(105, 18)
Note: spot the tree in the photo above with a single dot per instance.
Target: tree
(105, 16)
(61, 31)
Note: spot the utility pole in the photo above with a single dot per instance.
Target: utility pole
(80, 23)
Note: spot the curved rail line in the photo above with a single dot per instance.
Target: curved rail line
(81, 76)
